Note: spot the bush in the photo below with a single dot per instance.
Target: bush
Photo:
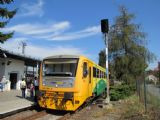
(121, 91)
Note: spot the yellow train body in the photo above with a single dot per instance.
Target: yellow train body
(69, 91)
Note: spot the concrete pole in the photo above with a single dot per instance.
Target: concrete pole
(107, 67)
(104, 30)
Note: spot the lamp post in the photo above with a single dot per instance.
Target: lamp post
(104, 30)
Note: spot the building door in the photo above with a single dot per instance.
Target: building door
(13, 80)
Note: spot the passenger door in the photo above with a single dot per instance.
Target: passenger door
(87, 78)
(90, 79)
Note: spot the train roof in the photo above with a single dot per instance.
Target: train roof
(72, 56)
(62, 56)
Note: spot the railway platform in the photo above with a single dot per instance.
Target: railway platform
(12, 102)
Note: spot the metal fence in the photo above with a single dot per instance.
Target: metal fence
(149, 92)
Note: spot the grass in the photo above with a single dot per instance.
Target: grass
(153, 100)
(134, 109)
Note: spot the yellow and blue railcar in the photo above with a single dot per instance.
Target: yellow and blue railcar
(67, 81)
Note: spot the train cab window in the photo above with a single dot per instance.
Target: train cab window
(85, 70)
(60, 67)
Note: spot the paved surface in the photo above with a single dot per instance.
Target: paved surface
(11, 101)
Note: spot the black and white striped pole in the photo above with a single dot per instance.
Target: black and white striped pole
(104, 30)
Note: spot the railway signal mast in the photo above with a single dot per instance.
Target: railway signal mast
(104, 30)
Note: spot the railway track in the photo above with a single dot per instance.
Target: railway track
(100, 102)
(40, 114)
(35, 114)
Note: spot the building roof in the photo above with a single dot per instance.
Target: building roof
(29, 61)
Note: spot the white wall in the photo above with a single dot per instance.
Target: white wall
(16, 66)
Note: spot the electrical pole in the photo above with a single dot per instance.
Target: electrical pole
(24, 44)
(104, 30)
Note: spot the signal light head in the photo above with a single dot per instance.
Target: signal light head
(104, 26)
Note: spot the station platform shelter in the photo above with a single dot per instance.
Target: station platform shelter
(14, 67)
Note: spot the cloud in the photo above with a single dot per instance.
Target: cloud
(40, 51)
(13, 44)
(77, 35)
(39, 29)
(53, 31)
(32, 9)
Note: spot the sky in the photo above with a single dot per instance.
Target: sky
(52, 27)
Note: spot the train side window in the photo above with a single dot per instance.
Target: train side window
(105, 75)
(102, 74)
(94, 72)
(85, 70)
(97, 73)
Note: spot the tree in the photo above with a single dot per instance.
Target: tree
(102, 58)
(127, 46)
(6, 15)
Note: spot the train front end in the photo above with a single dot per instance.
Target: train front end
(57, 88)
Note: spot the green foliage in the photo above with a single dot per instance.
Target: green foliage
(127, 37)
(121, 91)
(5, 1)
(102, 58)
(6, 15)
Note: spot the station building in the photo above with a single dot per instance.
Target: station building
(14, 67)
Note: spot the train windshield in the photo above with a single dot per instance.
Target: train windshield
(60, 67)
